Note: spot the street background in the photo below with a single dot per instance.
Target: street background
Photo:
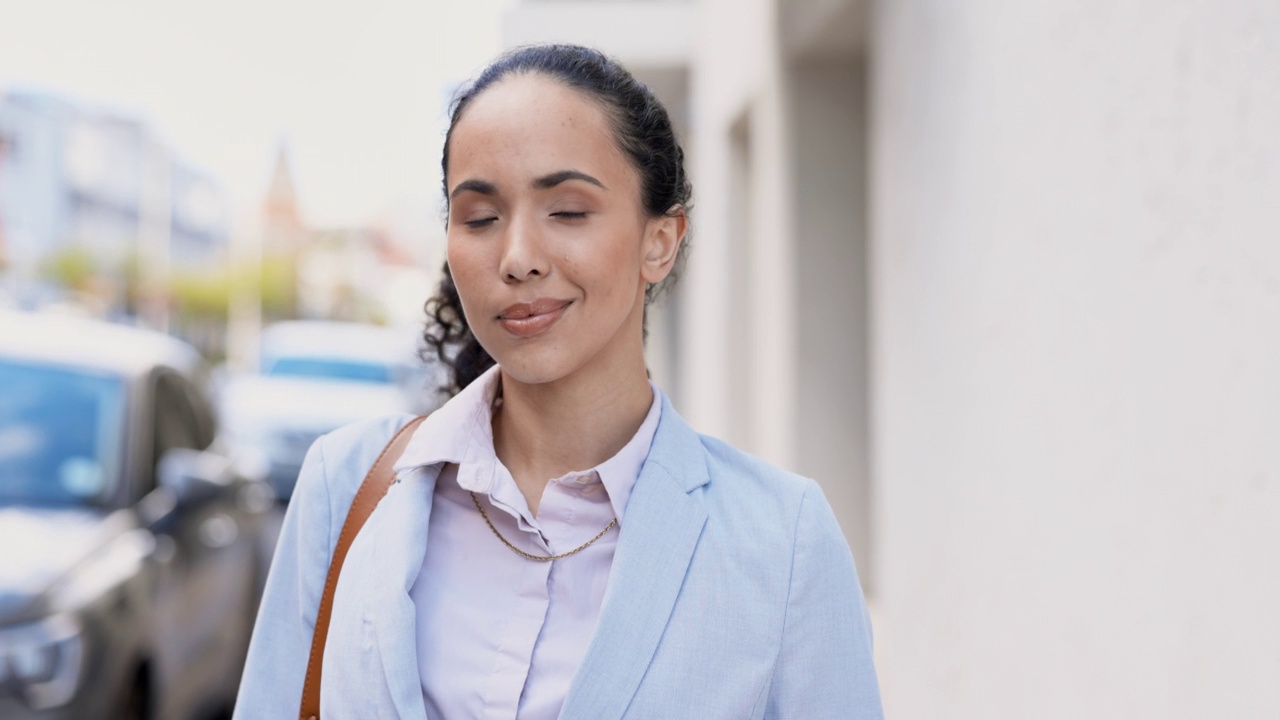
(1003, 277)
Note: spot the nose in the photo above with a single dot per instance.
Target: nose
(523, 254)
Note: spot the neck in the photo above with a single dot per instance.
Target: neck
(544, 431)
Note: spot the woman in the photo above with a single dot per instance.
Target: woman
(559, 543)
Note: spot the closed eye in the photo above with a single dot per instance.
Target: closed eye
(480, 223)
(569, 215)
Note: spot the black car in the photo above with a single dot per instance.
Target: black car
(131, 558)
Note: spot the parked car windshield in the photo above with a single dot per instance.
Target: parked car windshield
(331, 369)
(60, 433)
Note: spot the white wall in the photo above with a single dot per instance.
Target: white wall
(738, 87)
(1076, 248)
(646, 33)
(828, 109)
(775, 301)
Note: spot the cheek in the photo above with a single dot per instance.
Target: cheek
(612, 262)
(466, 264)
(606, 278)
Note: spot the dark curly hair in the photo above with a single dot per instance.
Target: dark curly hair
(642, 130)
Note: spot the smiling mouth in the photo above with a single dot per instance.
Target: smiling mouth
(529, 319)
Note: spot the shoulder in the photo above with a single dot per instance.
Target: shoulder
(360, 441)
(754, 481)
(742, 492)
(749, 471)
(337, 463)
(767, 509)
(770, 513)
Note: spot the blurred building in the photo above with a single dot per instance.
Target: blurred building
(365, 273)
(84, 178)
(1005, 278)
(283, 229)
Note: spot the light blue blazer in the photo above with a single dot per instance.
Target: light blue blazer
(732, 595)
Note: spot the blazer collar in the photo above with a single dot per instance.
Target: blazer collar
(461, 431)
(399, 545)
(664, 521)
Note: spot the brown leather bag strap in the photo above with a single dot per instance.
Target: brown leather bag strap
(376, 483)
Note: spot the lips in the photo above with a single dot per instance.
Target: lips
(529, 319)
(541, 306)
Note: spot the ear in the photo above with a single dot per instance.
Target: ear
(662, 238)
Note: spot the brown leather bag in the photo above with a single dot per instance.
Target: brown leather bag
(376, 483)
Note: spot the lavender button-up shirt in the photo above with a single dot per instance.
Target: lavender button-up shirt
(501, 636)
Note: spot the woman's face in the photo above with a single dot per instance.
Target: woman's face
(548, 243)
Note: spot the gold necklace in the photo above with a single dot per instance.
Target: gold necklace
(539, 558)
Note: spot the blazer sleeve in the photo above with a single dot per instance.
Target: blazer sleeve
(276, 666)
(824, 667)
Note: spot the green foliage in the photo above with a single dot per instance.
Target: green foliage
(207, 295)
(129, 271)
(196, 297)
(72, 267)
(279, 287)
(201, 295)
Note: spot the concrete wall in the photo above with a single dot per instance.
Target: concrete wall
(738, 335)
(647, 33)
(775, 302)
(1076, 358)
(828, 110)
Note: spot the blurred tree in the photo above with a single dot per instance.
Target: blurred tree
(201, 295)
(204, 294)
(72, 267)
(129, 272)
(279, 289)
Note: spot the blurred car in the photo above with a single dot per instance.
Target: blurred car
(130, 570)
(317, 376)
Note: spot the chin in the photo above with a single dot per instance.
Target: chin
(528, 366)
(552, 358)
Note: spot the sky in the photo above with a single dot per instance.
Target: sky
(354, 91)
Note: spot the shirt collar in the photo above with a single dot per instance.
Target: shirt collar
(461, 432)
(620, 472)
(457, 431)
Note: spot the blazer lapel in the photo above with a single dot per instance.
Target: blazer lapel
(660, 529)
(399, 545)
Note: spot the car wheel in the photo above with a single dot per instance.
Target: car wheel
(135, 705)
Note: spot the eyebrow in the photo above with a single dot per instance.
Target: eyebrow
(476, 186)
(547, 182)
